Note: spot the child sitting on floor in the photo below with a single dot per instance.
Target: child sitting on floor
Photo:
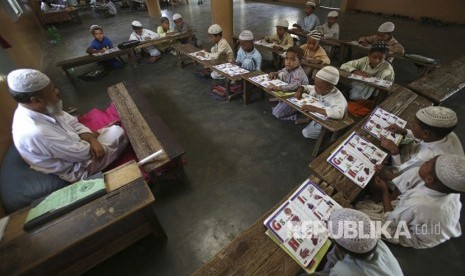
(101, 44)
(164, 30)
(384, 34)
(309, 21)
(282, 39)
(294, 76)
(312, 50)
(248, 57)
(362, 96)
(431, 134)
(425, 203)
(181, 26)
(142, 34)
(330, 29)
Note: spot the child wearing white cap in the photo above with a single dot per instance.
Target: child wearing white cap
(425, 201)
(248, 57)
(385, 31)
(313, 52)
(180, 26)
(221, 49)
(309, 21)
(142, 34)
(330, 29)
(281, 38)
(361, 255)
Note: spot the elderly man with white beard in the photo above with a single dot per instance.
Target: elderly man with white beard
(52, 141)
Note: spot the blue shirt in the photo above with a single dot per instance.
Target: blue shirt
(105, 43)
(308, 23)
(251, 61)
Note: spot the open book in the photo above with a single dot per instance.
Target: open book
(108, 51)
(198, 56)
(374, 80)
(309, 100)
(231, 69)
(381, 119)
(299, 225)
(262, 42)
(265, 81)
(356, 158)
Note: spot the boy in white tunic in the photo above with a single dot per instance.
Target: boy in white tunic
(309, 21)
(52, 141)
(354, 255)
(248, 57)
(425, 200)
(142, 34)
(384, 34)
(221, 49)
(330, 29)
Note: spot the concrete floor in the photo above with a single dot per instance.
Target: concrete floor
(240, 160)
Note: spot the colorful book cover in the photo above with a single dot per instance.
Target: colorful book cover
(300, 224)
(265, 81)
(356, 158)
(379, 120)
(198, 56)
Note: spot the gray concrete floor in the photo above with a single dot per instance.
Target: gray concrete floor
(240, 160)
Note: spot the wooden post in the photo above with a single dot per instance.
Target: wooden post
(153, 7)
(346, 5)
(222, 13)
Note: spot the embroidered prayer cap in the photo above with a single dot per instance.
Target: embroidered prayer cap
(329, 74)
(450, 170)
(94, 27)
(176, 16)
(333, 14)
(386, 27)
(215, 29)
(379, 46)
(311, 3)
(364, 239)
(136, 23)
(27, 80)
(437, 116)
(246, 35)
(315, 35)
(283, 23)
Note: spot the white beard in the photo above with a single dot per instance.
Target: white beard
(55, 109)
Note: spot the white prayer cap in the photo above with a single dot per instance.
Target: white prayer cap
(329, 74)
(333, 14)
(315, 35)
(311, 3)
(386, 27)
(136, 23)
(283, 23)
(345, 217)
(450, 169)
(93, 27)
(437, 116)
(27, 80)
(176, 16)
(246, 35)
(215, 29)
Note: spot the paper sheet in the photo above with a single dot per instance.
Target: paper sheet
(265, 81)
(379, 120)
(231, 69)
(196, 55)
(309, 100)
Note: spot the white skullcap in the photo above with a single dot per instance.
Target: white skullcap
(315, 35)
(246, 35)
(333, 14)
(136, 23)
(386, 27)
(93, 27)
(27, 80)
(437, 116)
(329, 74)
(450, 169)
(311, 3)
(215, 29)
(283, 23)
(176, 16)
(357, 244)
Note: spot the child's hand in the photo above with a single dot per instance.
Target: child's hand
(396, 129)
(314, 60)
(363, 43)
(273, 87)
(308, 108)
(361, 73)
(379, 186)
(103, 50)
(202, 54)
(273, 75)
(295, 25)
(389, 145)
(299, 92)
(276, 47)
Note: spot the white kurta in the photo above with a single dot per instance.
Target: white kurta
(52, 144)
(415, 154)
(328, 32)
(381, 262)
(147, 35)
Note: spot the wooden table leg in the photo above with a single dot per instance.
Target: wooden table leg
(70, 77)
(319, 141)
(228, 93)
(245, 95)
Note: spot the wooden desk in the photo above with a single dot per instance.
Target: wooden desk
(146, 130)
(254, 253)
(168, 38)
(82, 238)
(88, 59)
(443, 82)
(403, 103)
(329, 125)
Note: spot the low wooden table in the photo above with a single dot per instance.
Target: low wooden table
(79, 240)
(329, 125)
(171, 38)
(443, 82)
(146, 130)
(403, 103)
(254, 253)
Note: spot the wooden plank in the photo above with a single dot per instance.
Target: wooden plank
(168, 38)
(442, 82)
(87, 59)
(143, 140)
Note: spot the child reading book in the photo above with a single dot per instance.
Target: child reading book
(100, 45)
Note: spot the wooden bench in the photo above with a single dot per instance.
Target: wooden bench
(442, 83)
(88, 59)
(403, 103)
(82, 238)
(170, 38)
(146, 130)
(254, 253)
(329, 125)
